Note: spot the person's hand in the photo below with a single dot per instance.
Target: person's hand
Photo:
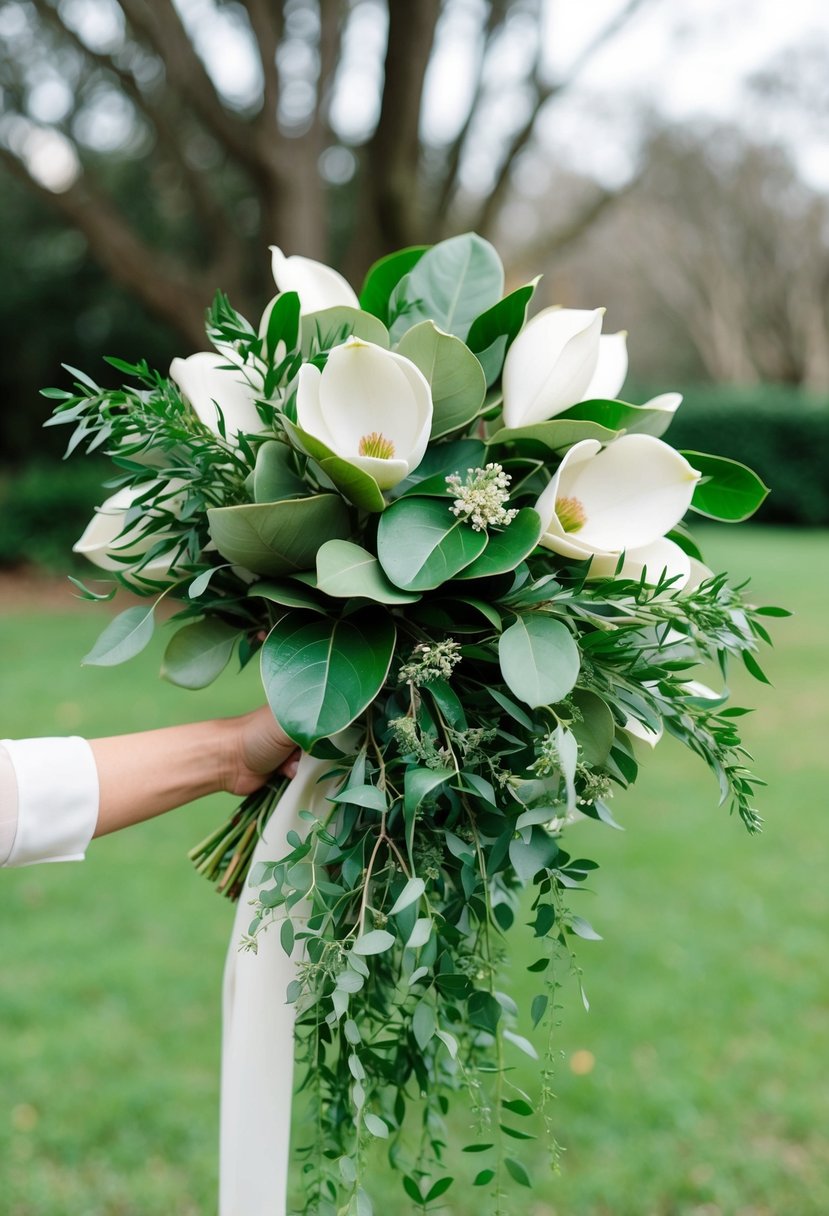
(260, 747)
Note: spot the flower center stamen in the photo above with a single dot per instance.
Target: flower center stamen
(571, 514)
(376, 445)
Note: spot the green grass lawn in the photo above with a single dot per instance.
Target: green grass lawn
(694, 1087)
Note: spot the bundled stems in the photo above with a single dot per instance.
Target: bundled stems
(225, 855)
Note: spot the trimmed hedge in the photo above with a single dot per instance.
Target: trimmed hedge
(44, 508)
(781, 433)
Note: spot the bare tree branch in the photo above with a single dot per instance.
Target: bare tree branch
(266, 22)
(539, 252)
(153, 277)
(160, 24)
(544, 93)
(498, 10)
(394, 149)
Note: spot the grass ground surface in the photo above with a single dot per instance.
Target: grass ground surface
(694, 1087)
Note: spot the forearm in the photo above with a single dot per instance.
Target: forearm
(142, 775)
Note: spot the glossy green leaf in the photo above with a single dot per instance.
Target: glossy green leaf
(283, 323)
(483, 1178)
(507, 548)
(451, 284)
(727, 489)
(274, 476)
(424, 1023)
(454, 374)
(539, 659)
(288, 594)
(441, 460)
(355, 484)
(278, 537)
(332, 326)
(517, 1171)
(420, 933)
(493, 332)
(346, 571)
(198, 653)
(125, 636)
(557, 435)
(319, 675)
(421, 544)
(418, 784)
(384, 276)
(620, 416)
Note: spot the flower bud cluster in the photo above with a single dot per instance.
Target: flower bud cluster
(480, 498)
(430, 662)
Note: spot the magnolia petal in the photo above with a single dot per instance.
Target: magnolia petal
(640, 731)
(104, 540)
(611, 369)
(317, 285)
(698, 574)
(205, 380)
(309, 413)
(550, 364)
(632, 492)
(660, 557)
(364, 390)
(386, 473)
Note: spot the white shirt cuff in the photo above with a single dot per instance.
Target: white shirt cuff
(57, 799)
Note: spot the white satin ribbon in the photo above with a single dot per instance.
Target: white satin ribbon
(258, 1033)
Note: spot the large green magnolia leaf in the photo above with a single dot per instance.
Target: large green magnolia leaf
(493, 332)
(283, 323)
(440, 460)
(198, 653)
(278, 537)
(451, 284)
(506, 549)
(355, 484)
(557, 435)
(346, 571)
(274, 477)
(421, 544)
(384, 276)
(620, 416)
(539, 659)
(727, 489)
(332, 326)
(319, 675)
(454, 374)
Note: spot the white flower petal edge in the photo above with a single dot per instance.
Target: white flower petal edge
(611, 369)
(371, 407)
(550, 364)
(102, 540)
(622, 497)
(317, 285)
(205, 380)
(660, 557)
(642, 732)
(668, 403)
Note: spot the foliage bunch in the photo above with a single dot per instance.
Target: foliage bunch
(398, 503)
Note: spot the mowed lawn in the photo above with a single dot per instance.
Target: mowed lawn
(696, 1086)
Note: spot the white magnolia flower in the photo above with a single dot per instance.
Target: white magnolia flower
(371, 407)
(611, 368)
(660, 557)
(317, 285)
(622, 497)
(207, 382)
(104, 538)
(550, 364)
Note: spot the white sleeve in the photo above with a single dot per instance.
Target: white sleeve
(48, 800)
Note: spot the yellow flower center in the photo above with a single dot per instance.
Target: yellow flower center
(571, 514)
(376, 445)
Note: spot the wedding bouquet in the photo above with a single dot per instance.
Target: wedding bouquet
(461, 561)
